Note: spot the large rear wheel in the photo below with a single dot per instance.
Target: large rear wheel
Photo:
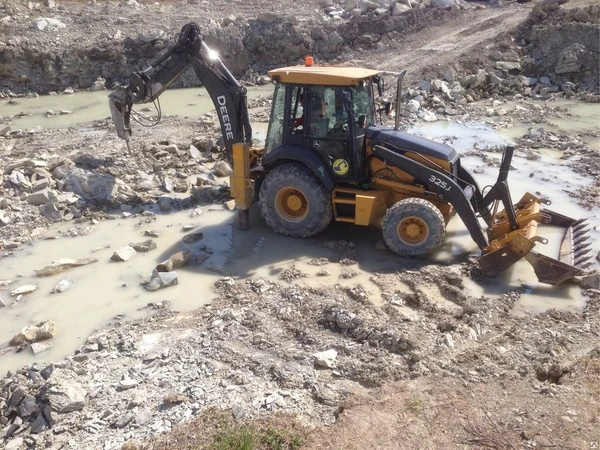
(294, 202)
(414, 227)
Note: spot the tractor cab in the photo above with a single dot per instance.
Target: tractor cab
(320, 116)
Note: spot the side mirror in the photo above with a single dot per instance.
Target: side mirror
(362, 120)
(388, 108)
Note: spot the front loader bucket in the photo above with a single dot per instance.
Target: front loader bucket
(507, 247)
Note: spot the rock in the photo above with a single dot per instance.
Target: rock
(143, 417)
(263, 80)
(123, 420)
(17, 178)
(426, 115)
(450, 75)
(39, 347)
(27, 406)
(507, 66)
(25, 289)
(326, 358)
(63, 264)
(39, 424)
(162, 279)
(34, 333)
(591, 281)
(15, 444)
(176, 261)
(66, 395)
(2, 304)
(545, 80)
(41, 197)
(124, 254)
(62, 285)
(127, 384)
(194, 237)
(144, 246)
(399, 8)
(153, 35)
(94, 186)
(448, 340)
(194, 152)
(230, 205)
(567, 62)
(151, 233)
(98, 85)
(51, 211)
(267, 17)
(412, 106)
(475, 80)
(222, 169)
(495, 79)
(4, 219)
(165, 204)
(444, 3)
(5, 131)
(47, 23)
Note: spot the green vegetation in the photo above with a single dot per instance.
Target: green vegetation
(235, 437)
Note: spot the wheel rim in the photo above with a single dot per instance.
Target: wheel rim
(291, 204)
(413, 231)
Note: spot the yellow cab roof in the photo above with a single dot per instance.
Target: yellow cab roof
(322, 75)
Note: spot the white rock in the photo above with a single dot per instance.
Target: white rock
(98, 85)
(399, 8)
(412, 106)
(26, 289)
(326, 358)
(44, 22)
(124, 254)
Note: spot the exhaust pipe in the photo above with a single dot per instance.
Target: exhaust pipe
(399, 99)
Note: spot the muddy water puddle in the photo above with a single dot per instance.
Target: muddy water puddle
(86, 107)
(105, 289)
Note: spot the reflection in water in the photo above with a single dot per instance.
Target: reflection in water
(86, 107)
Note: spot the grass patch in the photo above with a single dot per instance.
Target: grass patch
(415, 404)
(234, 437)
(252, 437)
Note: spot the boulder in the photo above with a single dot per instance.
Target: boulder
(65, 395)
(34, 333)
(160, 280)
(61, 265)
(44, 23)
(144, 246)
(222, 169)
(176, 261)
(124, 254)
(400, 8)
(326, 358)
(98, 85)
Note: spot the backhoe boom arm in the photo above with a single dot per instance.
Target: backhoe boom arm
(228, 96)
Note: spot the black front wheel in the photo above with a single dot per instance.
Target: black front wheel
(294, 202)
(414, 227)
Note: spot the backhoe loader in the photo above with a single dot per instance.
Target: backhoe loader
(327, 157)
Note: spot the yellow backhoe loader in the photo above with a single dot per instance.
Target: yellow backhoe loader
(326, 158)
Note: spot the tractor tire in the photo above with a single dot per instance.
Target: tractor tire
(294, 202)
(413, 227)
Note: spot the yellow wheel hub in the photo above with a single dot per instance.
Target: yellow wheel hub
(413, 231)
(291, 204)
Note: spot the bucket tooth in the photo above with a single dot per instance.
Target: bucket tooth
(581, 251)
(582, 242)
(582, 259)
(581, 228)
